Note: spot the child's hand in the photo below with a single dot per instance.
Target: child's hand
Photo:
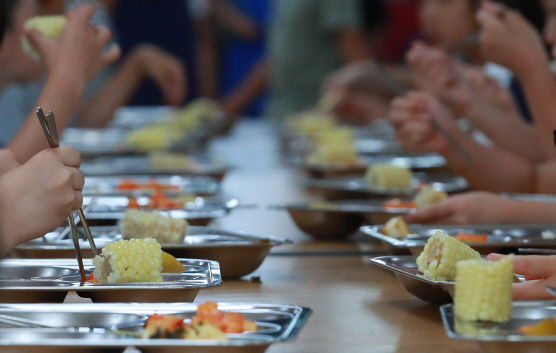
(166, 70)
(509, 40)
(468, 208)
(78, 52)
(539, 271)
(36, 197)
(8, 161)
(411, 116)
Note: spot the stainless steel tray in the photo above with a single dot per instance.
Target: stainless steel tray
(136, 117)
(108, 185)
(502, 238)
(238, 253)
(335, 220)
(89, 323)
(497, 338)
(109, 210)
(140, 165)
(97, 142)
(407, 273)
(353, 187)
(34, 283)
(414, 161)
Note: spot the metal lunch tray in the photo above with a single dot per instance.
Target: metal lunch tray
(108, 185)
(354, 187)
(109, 210)
(419, 286)
(502, 238)
(49, 281)
(140, 165)
(414, 161)
(96, 142)
(136, 117)
(429, 290)
(504, 337)
(237, 253)
(339, 219)
(92, 325)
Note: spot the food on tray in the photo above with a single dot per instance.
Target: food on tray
(384, 175)
(159, 200)
(397, 203)
(328, 101)
(471, 238)
(209, 323)
(165, 160)
(135, 260)
(154, 137)
(170, 264)
(441, 254)
(547, 234)
(323, 205)
(428, 195)
(130, 184)
(484, 290)
(138, 224)
(546, 327)
(396, 227)
(334, 155)
(49, 26)
(309, 123)
(199, 110)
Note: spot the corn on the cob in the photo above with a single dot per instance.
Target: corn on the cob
(396, 227)
(154, 137)
(135, 260)
(165, 160)
(383, 175)
(427, 196)
(49, 26)
(334, 153)
(441, 254)
(483, 290)
(140, 224)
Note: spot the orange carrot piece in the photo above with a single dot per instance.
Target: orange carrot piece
(471, 238)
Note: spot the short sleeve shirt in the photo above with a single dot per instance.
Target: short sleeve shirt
(303, 49)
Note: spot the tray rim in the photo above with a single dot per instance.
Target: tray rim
(446, 312)
(212, 273)
(371, 230)
(299, 319)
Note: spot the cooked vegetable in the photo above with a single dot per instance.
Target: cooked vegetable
(151, 224)
(483, 290)
(441, 254)
(428, 196)
(49, 26)
(135, 260)
(471, 238)
(396, 227)
(383, 175)
(397, 203)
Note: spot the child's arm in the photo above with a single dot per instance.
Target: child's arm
(36, 197)
(71, 61)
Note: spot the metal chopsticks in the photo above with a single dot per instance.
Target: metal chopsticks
(48, 124)
(455, 144)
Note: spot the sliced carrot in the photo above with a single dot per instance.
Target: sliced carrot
(129, 184)
(471, 238)
(132, 203)
(92, 278)
(397, 203)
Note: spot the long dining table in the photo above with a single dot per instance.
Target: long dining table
(357, 307)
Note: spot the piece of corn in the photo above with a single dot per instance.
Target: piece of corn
(396, 227)
(139, 224)
(428, 195)
(49, 26)
(384, 175)
(441, 254)
(334, 153)
(154, 137)
(165, 160)
(135, 260)
(484, 290)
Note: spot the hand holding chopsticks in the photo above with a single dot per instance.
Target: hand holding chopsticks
(48, 124)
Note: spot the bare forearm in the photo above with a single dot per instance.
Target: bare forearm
(490, 168)
(249, 88)
(61, 96)
(98, 111)
(514, 211)
(540, 90)
(508, 131)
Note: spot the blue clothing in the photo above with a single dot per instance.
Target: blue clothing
(240, 56)
(166, 24)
